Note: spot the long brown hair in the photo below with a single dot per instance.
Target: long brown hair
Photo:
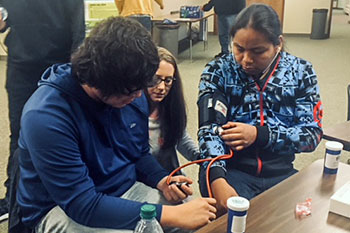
(172, 110)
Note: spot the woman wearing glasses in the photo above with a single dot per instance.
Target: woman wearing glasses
(167, 120)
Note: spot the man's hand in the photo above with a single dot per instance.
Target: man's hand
(238, 135)
(2, 23)
(171, 192)
(221, 192)
(190, 215)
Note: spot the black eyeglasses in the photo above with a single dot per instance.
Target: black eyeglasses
(157, 79)
(130, 92)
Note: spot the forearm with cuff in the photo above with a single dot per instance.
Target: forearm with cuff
(262, 139)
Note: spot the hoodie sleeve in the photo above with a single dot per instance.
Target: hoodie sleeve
(211, 145)
(52, 140)
(66, 178)
(149, 170)
(306, 132)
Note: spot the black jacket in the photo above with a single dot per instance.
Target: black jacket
(225, 7)
(43, 32)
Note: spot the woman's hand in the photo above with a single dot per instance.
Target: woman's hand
(190, 215)
(171, 192)
(238, 135)
(221, 192)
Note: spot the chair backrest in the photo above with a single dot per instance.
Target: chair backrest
(348, 102)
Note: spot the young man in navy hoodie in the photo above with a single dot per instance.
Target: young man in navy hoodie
(84, 157)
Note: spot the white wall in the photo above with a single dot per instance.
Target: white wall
(298, 15)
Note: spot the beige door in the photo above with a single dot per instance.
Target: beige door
(277, 5)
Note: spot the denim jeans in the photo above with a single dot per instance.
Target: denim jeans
(225, 23)
(56, 221)
(246, 185)
(145, 20)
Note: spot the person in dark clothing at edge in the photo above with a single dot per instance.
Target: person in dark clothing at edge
(85, 163)
(41, 34)
(268, 104)
(226, 11)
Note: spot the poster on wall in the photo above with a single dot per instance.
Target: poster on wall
(96, 10)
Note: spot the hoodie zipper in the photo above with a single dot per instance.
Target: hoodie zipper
(261, 106)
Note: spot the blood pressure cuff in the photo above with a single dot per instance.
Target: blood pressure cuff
(213, 108)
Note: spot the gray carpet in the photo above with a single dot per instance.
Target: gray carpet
(331, 60)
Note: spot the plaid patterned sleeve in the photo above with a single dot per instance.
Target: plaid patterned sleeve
(210, 144)
(302, 132)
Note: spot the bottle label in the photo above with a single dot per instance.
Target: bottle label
(238, 223)
(331, 161)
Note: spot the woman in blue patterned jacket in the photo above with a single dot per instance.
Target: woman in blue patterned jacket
(268, 104)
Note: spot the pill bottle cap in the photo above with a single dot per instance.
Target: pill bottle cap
(332, 145)
(238, 203)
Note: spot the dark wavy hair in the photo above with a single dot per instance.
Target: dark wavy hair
(172, 110)
(261, 18)
(116, 57)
